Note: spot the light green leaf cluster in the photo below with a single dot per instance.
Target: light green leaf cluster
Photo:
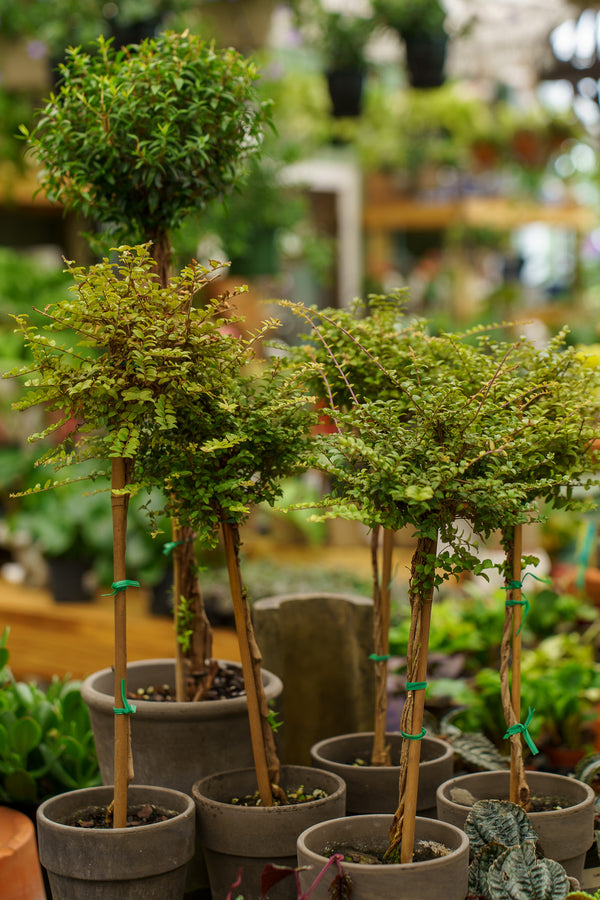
(150, 377)
(433, 430)
(124, 355)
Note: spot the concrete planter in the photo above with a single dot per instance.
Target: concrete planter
(446, 877)
(564, 834)
(145, 862)
(374, 789)
(246, 838)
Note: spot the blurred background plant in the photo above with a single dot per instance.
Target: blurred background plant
(46, 741)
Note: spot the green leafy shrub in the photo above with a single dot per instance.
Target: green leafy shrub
(137, 138)
(46, 740)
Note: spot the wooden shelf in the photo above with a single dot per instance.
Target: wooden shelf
(402, 214)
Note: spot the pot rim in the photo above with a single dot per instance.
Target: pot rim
(505, 774)
(351, 867)
(317, 749)
(340, 790)
(103, 791)
(174, 709)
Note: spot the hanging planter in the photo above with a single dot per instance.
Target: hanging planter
(346, 92)
(140, 861)
(564, 834)
(235, 837)
(445, 876)
(373, 789)
(426, 58)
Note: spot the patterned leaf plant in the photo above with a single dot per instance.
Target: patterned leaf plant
(504, 861)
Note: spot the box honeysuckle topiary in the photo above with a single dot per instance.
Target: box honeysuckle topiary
(161, 389)
(134, 140)
(113, 357)
(438, 430)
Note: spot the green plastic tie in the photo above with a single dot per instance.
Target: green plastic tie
(377, 658)
(416, 685)
(524, 602)
(118, 586)
(128, 708)
(523, 729)
(168, 548)
(414, 737)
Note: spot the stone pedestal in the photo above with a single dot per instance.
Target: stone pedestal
(319, 645)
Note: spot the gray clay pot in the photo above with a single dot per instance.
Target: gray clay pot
(445, 877)
(246, 838)
(173, 744)
(143, 862)
(564, 834)
(374, 789)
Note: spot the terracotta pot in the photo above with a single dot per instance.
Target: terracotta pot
(20, 872)
(445, 877)
(245, 838)
(564, 834)
(143, 862)
(374, 789)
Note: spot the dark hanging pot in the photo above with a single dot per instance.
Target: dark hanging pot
(346, 90)
(67, 579)
(426, 58)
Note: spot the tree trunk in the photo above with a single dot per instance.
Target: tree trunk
(402, 831)
(263, 744)
(380, 754)
(194, 668)
(122, 751)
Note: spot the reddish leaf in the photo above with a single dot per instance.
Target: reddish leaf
(341, 887)
(235, 884)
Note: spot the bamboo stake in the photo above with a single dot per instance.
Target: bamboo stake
(248, 667)
(511, 704)
(380, 754)
(516, 750)
(122, 747)
(414, 746)
(402, 831)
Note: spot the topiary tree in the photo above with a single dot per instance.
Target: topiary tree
(139, 137)
(227, 451)
(461, 432)
(119, 358)
(136, 139)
